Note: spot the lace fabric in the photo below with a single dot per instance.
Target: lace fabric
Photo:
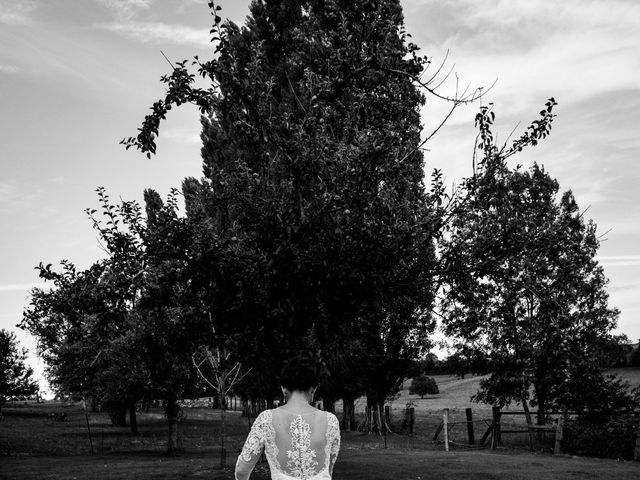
(306, 444)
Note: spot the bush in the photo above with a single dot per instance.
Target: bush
(634, 358)
(423, 385)
(612, 439)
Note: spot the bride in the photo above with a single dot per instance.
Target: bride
(300, 441)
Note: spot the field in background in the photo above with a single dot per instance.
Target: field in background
(60, 450)
(455, 394)
(45, 448)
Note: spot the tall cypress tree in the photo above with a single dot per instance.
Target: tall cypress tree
(317, 224)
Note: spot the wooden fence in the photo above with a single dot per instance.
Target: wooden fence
(491, 436)
(494, 431)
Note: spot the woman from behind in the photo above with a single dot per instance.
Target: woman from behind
(300, 441)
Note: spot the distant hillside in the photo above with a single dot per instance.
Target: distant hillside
(455, 393)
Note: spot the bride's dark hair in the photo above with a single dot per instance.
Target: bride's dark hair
(299, 373)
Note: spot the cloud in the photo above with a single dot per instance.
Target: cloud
(58, 180)
(16, 12)
(185, 136)
(621, 286)
(18, 287)
(571, 49)
(8, 190)
(619, 260)
(126, 9)
(158, 32)
(15, 197)
(10, 69)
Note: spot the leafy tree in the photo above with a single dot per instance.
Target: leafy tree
(430, 364)
(15, 376)
(165, 324)
(125, 328)
(617, 349)
(634, 358)
(526, 296)
(82, 322)
(423, 385)
(315, 218)
(79, 323)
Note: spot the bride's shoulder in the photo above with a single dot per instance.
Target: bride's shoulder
(264, 415)
(332, 418)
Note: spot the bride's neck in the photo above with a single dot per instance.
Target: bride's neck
(298, 399)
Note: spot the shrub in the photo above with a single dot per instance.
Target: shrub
(423, 385)
(634, 358)
(608, 426)
(614, 438)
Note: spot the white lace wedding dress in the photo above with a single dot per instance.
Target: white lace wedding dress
(301, 446)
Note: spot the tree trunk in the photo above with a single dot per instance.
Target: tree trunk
(348, 414)
(527, 415)
(541, 416)
(133, 420)
(329, 405)
(223, 450)
(117, 411)
(375, 416)
(174, 440)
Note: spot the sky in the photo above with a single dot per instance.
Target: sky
(78, 76)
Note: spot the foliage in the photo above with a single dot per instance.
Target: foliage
(15, 376)
(125, 328)
(617, 349)
(423, 385)
(430, 364)
(614, 438)
(610, 430)
(634, 358)
(315, 221)
(312, 221)
(83, 322)
(526, 298)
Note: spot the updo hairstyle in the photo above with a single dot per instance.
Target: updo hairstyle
(299, 373)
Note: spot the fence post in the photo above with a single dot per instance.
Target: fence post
(496, 441)
(559, 432)
(445, 428)
(472, 439)
(438, 430)
(636, 453)
(412, 419)
(486, 434)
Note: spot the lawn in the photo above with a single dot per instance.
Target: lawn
(42, 448)
(353, 464)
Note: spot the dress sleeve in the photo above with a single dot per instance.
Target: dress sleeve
(334, 438)
(252, 448)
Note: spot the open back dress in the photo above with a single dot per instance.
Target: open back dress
(298, 446)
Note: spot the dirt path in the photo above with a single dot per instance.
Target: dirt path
(352, 465)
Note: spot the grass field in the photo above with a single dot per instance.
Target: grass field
(351, 465)
(45, 449)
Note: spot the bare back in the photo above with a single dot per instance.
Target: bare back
(300, 445)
